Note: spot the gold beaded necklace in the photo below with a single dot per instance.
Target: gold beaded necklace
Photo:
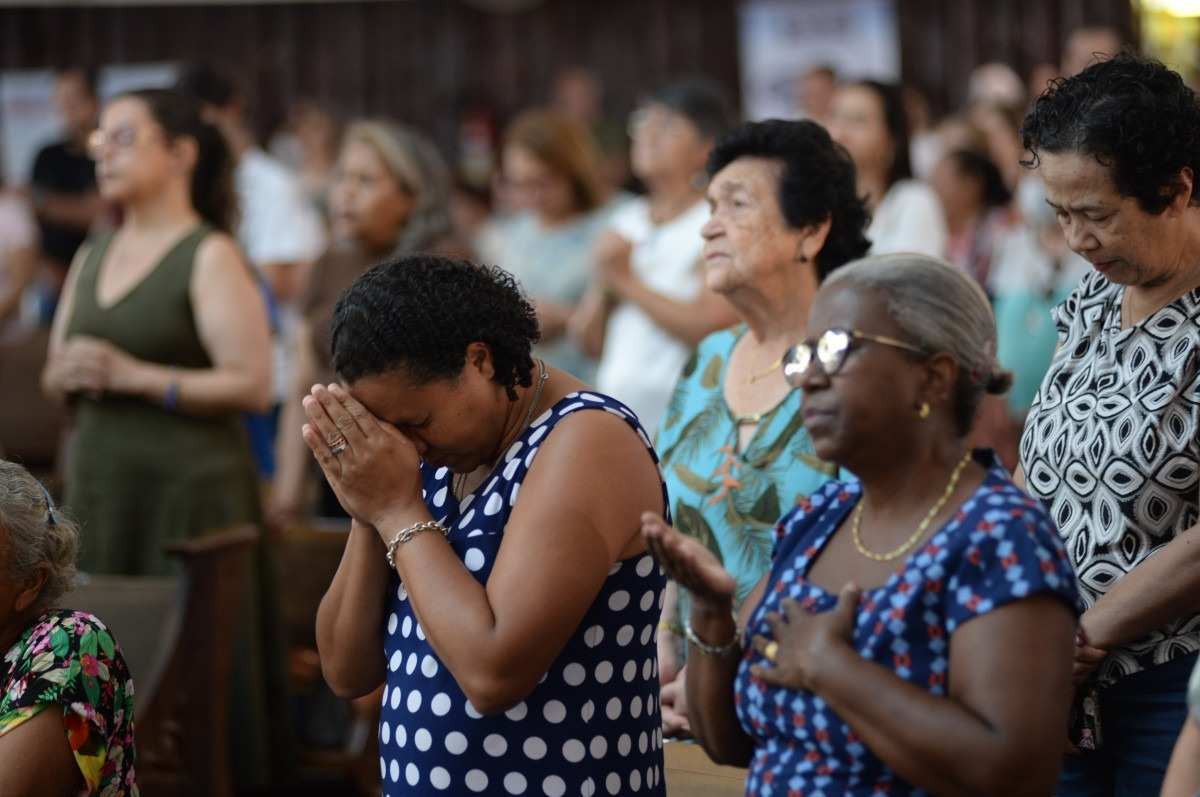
(895, 553)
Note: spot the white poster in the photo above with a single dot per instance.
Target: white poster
(780, 39)
(28, 120)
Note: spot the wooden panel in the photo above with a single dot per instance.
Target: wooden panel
(428, 61)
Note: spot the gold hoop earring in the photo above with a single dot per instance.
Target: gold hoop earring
(923, 411)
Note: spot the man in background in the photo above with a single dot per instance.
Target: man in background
(63, 184)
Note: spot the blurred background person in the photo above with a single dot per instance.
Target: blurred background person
(1086, 45)
(159, 342)
(63, 182)
(649, 306)
(280, 232)
(19, 257)
(308, 146)
(579, 95)
(734, 450)
(389, 196)
(975, 202)
(869, 120)
(814, 91)
(549, 167)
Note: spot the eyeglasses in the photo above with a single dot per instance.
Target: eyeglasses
(121, 138)
(831, 349)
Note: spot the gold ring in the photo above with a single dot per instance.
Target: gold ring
(770, 651)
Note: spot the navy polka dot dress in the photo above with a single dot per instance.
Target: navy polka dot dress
(591, 727)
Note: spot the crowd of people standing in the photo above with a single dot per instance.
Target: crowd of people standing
(861, 453)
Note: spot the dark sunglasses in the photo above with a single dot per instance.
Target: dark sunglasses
(831, 350)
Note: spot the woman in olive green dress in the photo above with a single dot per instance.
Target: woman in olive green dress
(159, 343)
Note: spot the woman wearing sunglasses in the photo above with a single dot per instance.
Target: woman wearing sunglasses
(914, 633)
(784, 213)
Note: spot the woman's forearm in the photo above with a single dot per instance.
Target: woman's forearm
(202, 391)
(930, 741)
(350, 617)
(1163, 588)
(710, 691)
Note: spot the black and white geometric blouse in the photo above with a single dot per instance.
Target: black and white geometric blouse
(1110, 445)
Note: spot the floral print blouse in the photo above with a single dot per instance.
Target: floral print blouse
(70, 660)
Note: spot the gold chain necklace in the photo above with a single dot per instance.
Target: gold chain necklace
(856, 523)
(460, 480)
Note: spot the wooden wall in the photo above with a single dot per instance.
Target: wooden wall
(426, 61)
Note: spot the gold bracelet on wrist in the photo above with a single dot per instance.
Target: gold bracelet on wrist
(406, 535)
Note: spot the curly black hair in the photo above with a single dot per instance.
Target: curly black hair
(420, 312)
(818, 182)
(1132, 115)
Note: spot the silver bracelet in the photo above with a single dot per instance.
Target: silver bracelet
(719, 651)
(407, 534)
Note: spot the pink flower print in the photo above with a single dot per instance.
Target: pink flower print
(91, 666)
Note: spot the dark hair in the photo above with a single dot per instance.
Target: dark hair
(88, 76)
(1132, 115)
(895, 119)
(818, 182)
(420, 312)
(212, 189)
(980, 168)
(207, 84)
(703, 103)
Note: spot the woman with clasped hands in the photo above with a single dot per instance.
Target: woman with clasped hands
(914, 633)
(495, 579)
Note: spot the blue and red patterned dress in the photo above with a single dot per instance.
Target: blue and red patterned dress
(1000, 547)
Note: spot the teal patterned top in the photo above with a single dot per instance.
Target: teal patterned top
(727, 499)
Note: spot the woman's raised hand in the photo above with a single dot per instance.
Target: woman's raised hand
(690, 564)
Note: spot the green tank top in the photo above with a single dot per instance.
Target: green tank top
(138, 475)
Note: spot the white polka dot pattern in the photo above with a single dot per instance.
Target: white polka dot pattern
(590, 725)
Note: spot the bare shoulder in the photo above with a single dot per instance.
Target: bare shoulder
(602, 453)
(219, 253)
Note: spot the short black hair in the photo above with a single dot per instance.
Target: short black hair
(818, 181)
(700, 100)
(895, 119)
(208, 84)
(1132, 115)
(420, 312)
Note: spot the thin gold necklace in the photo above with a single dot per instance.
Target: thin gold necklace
(460, 481)
(895, 553)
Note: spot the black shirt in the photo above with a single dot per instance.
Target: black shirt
(62, 169)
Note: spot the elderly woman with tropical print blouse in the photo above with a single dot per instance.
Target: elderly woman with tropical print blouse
(1112, 441)
(784, 214)
(66, 698)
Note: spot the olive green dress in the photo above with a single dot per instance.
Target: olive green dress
(139, 477)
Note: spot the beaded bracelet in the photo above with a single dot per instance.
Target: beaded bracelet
(407, 534)
(719, 651)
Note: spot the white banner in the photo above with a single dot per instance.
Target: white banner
(780, 39)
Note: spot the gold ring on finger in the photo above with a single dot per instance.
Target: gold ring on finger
(770, 651)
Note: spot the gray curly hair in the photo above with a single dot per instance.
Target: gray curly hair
(36, 535)
(418, 167)
(940, 309)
